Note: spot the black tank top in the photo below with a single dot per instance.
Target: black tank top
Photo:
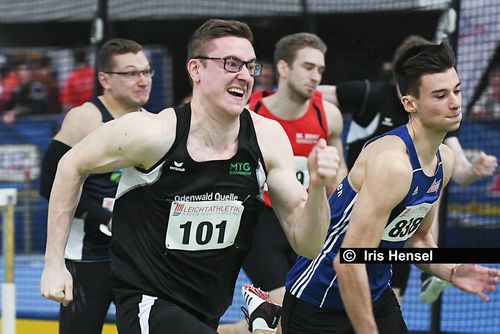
(181, 229)
(92, 244)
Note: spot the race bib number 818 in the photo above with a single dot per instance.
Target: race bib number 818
(196, 226)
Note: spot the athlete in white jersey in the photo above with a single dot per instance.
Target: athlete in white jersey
(387, 200)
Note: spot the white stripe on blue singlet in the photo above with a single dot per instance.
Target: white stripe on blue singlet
(332, 237)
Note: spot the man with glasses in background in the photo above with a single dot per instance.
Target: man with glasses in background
(187, 200)
(125, 75)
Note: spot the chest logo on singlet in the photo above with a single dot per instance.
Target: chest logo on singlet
(434, 186)
(387, 122)
(206, 225)
(306, 138)
(178, 167)
(240, 168)
(404, 226)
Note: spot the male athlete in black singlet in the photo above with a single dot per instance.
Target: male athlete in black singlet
(87, 250)
(186, 200)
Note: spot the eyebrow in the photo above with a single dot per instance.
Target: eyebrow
(437, 91)
(135, 66)
(231, 56)
(314, 65)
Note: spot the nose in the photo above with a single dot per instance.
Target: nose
(316, 75)
(456, 100)
(143, 79)
(244, 73)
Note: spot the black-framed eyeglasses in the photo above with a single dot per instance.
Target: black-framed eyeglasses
(234, 65)
(149, 73)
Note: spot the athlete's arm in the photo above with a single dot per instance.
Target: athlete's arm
(117, 144)
(304, 217)
(335, 128)
(466, 172)
(329, 93)
(468, 277)
(77, 124)
(383, 179)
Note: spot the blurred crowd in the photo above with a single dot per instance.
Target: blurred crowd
(29, 85)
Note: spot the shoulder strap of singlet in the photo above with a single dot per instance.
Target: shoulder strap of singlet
(402, 132)
(106, 116)
(317, 103)
(255, 102)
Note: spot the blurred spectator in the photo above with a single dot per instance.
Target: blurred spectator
(29, 97)
(79, 86)
(9, 79)
(265, 81)
(3, 74)
(45, 74)
(488, 105)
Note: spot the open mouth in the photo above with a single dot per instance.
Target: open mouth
(238, 92)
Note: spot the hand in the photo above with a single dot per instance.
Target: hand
(476, 279)
(57, 284)
(323, 163)
(484, 165)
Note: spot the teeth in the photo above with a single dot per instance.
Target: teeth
(236, 90)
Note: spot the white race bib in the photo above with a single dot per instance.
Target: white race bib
(196, 226)
(404, 226)
(301, 170)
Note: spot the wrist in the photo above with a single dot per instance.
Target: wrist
(453, 272)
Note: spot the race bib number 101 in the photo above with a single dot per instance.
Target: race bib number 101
(196, 226)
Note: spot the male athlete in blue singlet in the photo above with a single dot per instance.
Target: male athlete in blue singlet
(386, 201)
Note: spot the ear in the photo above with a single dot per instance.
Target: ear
(409, 103)
(282, 68)
(193, 68)
(103, 80)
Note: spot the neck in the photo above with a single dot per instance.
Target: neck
(426, 143)
(116, 108)
(287, 104)
(213, 128)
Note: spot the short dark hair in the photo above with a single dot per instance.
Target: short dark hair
(114, 47)
(408, 43)
(286, 48)
(420, 60)
(216, 28)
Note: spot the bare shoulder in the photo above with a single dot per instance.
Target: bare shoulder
(272, 139)
(78, 123)
(448, 158)
(334, 118)
(265, 126)
(384, 162)
(151, 127)
(143, 137)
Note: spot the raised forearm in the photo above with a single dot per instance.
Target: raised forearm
(64, 198)
(312, 224)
